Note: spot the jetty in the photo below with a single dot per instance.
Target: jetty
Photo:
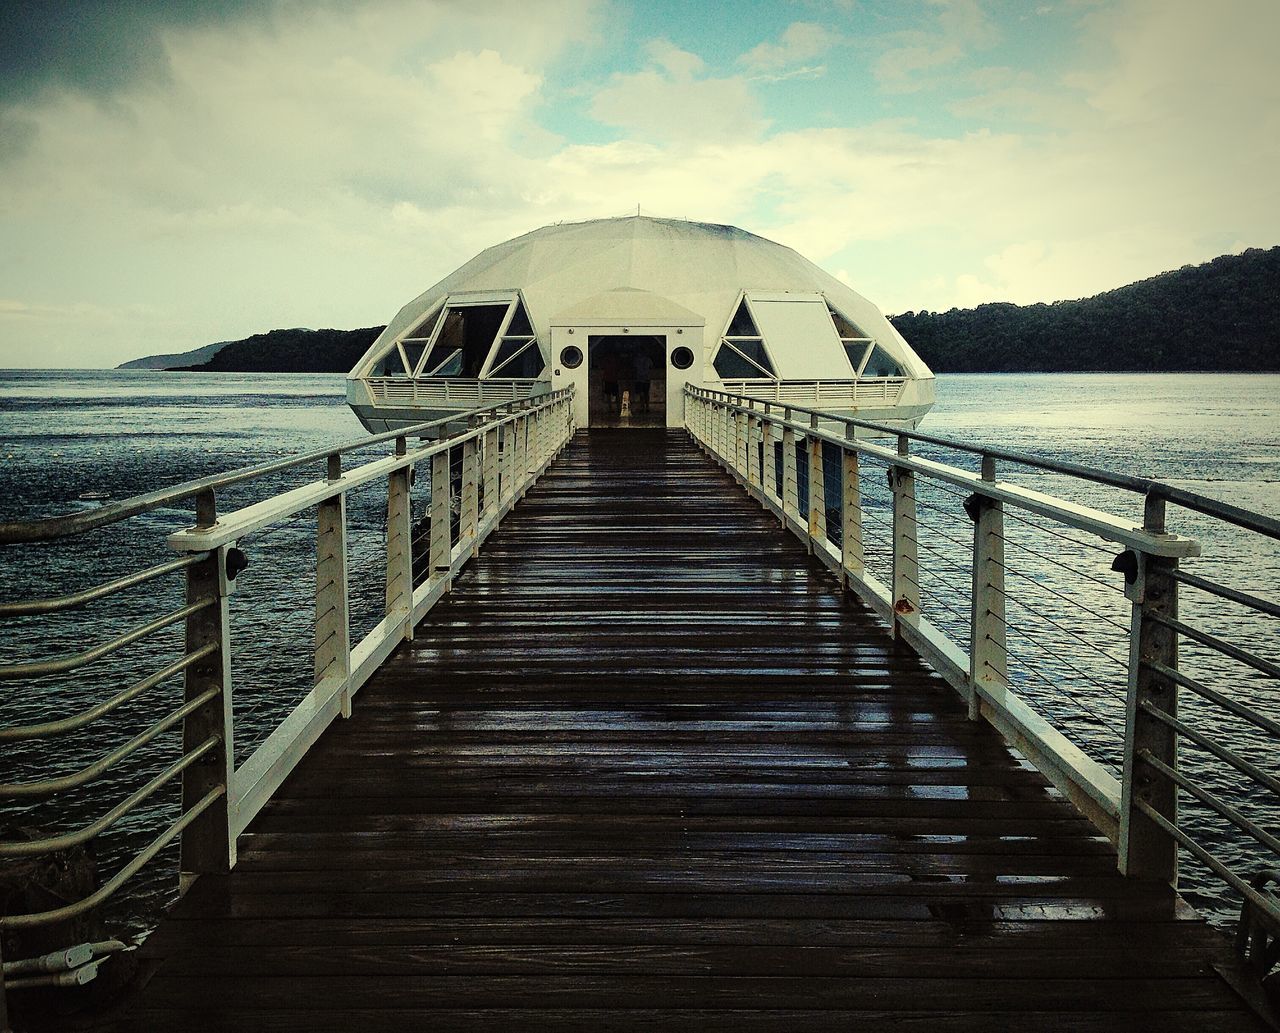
(670, 729)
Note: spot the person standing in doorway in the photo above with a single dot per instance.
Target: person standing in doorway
(644, 372)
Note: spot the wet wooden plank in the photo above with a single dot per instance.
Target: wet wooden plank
(647, 768)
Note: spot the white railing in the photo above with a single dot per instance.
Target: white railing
(839, 394)
(897, 522)
(479, 468)
(450, 393)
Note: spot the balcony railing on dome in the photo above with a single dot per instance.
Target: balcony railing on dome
(426, 392)
(840, 394)
(1059, 623)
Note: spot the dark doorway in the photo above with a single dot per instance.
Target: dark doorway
(627, 380)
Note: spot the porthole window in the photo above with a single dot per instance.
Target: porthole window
(682, 357)
(571, 357)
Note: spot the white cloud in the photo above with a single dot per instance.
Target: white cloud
(800, 42)
(324, 172)
(953, 30)
(671, 101)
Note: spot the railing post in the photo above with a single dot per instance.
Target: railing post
(492, 502)
(1146, 850)
(752, 456)
(790, 480)
(208, 844)
(740, 444)
(817, 503)
(470, 513)
(769, 467)
(851, 555)
(440, 550)
(332, 628)
(906, 566)
(400, 544)
(988, 653)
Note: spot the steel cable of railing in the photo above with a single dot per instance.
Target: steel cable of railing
(1079, 704)
(1056, 561)
(1037, 643)
(1066, 631)
(1072, 601)
(1058, 534)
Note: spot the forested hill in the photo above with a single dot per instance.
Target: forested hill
(1223, 315)
(291, 351)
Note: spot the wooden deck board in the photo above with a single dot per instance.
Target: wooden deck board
(647, 768)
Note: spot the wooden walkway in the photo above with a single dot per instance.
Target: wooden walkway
(645, 768)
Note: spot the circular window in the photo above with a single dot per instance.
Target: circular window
(571, 357)
(682, 357)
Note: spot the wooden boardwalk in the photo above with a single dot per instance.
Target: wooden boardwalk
(646, 768)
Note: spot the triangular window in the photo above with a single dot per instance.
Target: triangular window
(422, 332)
(412, 354)
(742, 360)
(520, 325)
(742, 325)
(881, 364)
(857, 351)
(519, 359)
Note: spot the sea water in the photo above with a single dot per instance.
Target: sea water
(69, 440)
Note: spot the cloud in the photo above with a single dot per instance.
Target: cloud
(672, 101)
(953, 31)
(321, 167)
(800, 42)
(98, 45)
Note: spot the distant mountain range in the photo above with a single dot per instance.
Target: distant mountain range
(1223, 315)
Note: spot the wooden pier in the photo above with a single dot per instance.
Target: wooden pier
(646, 766)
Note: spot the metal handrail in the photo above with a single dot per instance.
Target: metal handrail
(108, 888)
(40, 668)
(55, 604)
(68, 724)
(33, 847)
(91, 772)
(1206, 504)
(738, 430)
(48, 528)
(209, 768)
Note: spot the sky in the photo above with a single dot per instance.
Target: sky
(175, 172)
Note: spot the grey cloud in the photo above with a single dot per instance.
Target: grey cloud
(97, 45)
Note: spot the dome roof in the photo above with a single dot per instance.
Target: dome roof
(646, 271)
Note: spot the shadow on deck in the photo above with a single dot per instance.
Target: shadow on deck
(647, 768)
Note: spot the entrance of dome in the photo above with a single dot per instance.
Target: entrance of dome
(627, 380)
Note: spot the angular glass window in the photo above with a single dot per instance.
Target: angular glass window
(845, 328)
(754, 351)
(742, 325)
(518, 358)
(390, 365)
(856, 350)
(881, 364)
(463, 341)
(520, 325)
(412, 354)
(732, 364)
(422, 332)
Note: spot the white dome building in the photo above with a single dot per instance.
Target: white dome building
(628, 311)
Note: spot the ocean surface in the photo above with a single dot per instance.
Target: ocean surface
(113, 434)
